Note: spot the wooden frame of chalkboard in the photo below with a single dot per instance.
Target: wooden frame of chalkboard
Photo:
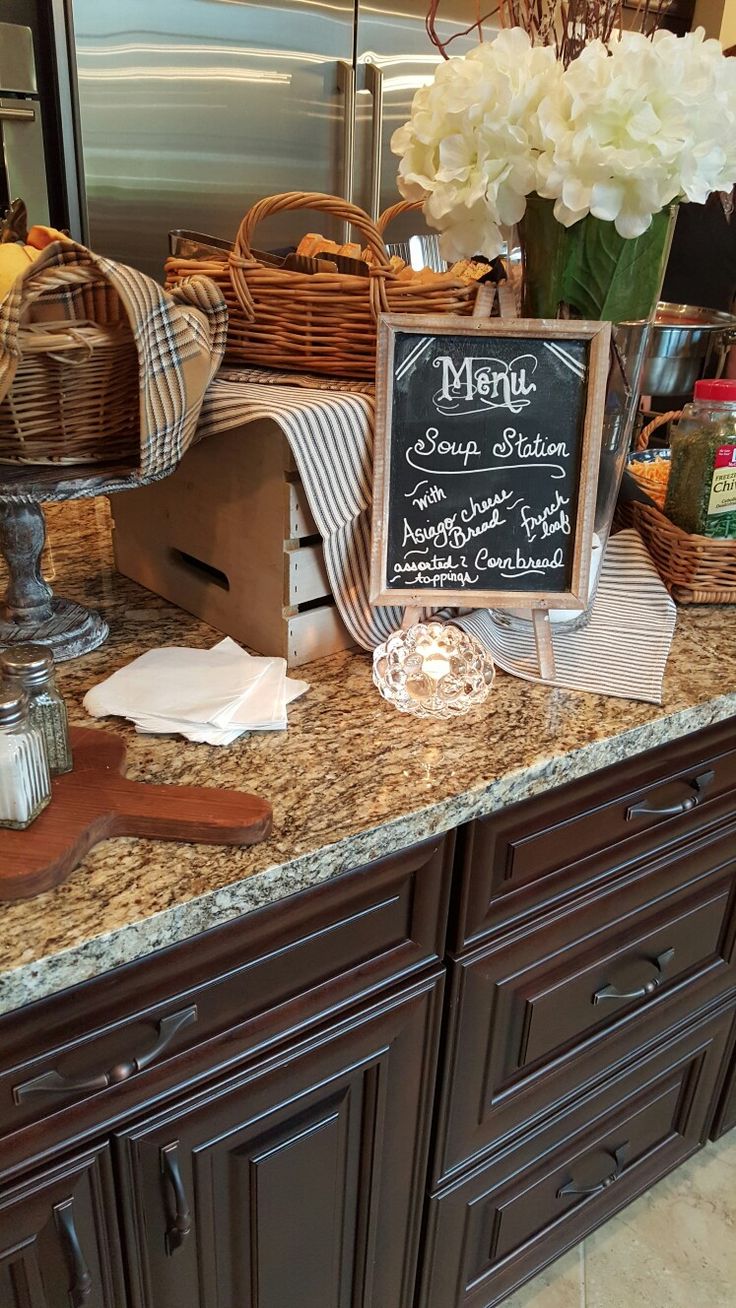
(422, 417)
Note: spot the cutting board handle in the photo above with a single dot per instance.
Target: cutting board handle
(95, 802)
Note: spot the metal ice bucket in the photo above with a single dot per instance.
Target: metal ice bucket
(685, 342)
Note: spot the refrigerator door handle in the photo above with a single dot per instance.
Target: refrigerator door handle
(374, 84)
(346, 86)
(20, 114)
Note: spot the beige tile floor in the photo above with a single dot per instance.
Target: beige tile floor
(675, 1247)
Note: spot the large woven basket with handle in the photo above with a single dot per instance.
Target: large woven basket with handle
(74, 397)
(695, 569)
(322, 323)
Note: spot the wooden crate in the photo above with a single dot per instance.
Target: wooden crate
(230, 537)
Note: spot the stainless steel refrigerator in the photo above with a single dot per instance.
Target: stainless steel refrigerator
(37, 141)
(190, 110)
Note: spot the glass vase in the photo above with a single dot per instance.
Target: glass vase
(588, 271)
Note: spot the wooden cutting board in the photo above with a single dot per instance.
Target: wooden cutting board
(95, 802)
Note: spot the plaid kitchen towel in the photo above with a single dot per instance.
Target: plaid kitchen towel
(179, 336)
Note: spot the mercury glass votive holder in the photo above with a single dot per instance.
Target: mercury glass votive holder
(433, 670)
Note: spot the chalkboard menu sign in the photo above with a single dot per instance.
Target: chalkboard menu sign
(487, 451)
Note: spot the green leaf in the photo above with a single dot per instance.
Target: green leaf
(612, 278)
(588, 268)
(545, 253)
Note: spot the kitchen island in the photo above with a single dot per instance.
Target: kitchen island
(254, 1060)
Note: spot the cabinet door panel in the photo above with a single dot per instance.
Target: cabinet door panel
(298, 1181)
(58, 1239)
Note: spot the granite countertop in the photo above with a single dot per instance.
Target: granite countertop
(349, 781)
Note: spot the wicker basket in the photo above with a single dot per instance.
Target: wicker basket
(75, 394)
(323, 323)
(695, 569)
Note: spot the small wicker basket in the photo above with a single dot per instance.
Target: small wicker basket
(695, 569)
(323, 323)
(75, 393)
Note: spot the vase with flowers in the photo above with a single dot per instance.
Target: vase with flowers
(583, 138)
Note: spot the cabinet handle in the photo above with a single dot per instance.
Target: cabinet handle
(81, 1286)
(180, 1223)
(619, 1158)
(55, 1083)
(611, 992)
(698, 786)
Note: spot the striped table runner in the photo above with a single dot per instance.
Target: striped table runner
(330, 432)
(623, 648)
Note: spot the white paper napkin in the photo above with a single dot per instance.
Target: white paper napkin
(212, 696)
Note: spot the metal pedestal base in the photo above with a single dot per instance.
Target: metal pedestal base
(70, 631)
(29, 612)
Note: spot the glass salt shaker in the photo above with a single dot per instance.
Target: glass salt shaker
(25, 784)
(31, 668)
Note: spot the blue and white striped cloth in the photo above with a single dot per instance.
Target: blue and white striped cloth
(624, 647)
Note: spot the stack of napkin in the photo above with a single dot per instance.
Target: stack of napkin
(207, 695)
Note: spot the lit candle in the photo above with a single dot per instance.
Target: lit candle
(435, 662)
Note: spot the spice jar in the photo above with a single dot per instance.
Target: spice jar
(31, 668)
(701, 493)
(25, 784)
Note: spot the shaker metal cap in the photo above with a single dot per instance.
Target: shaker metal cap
(13, 706)
(30, 664)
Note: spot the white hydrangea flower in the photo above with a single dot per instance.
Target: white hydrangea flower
(469, 150)
(628, 131)
(621, 133)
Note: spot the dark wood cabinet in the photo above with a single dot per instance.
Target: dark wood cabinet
(258, 1104)
(539, 1013)
(492, 1230)
(195, 1009)
(58, 1238)
(725, 1119)
(298, 1180)
(603, 829)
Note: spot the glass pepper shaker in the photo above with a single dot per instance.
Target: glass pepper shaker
(25, 784)
(31, 668)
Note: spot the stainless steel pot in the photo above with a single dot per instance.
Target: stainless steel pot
(685, 341)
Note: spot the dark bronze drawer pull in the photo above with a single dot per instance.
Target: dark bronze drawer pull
(612, 992)
(180, 1222)
(699, 785)
(619, 1158)
(81, 1286)
(55, 1083)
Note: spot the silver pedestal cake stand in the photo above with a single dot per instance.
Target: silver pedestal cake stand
(29, 611)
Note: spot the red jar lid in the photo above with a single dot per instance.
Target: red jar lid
(709, 389)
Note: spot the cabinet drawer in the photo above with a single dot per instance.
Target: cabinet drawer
(548, 848)
(533, 1013)
(88, 1055)
(58, 1238)
(507, 1220)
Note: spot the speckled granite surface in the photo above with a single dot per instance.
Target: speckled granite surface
(351, 779)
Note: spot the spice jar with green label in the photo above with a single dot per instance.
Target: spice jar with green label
(701, 494)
